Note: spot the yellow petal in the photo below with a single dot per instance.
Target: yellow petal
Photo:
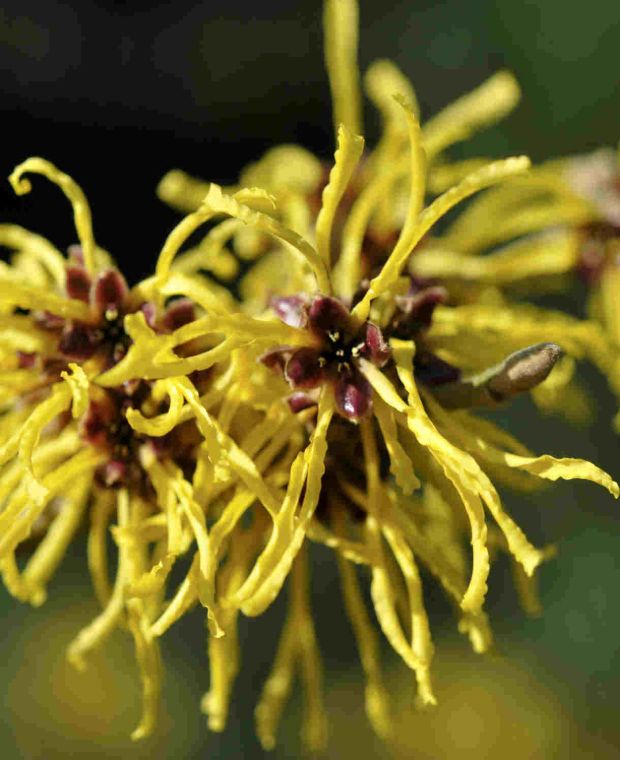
(182, 191)
(350, 147)
(185, 598)
(15, 294)
(79, 384)
(149, 664)
(416, 227)
(271, 568)
(340, 29)
(50, 552)
(42, 415)
(17, 238)
(485, 105)
(102, 626)
(377, 696)
(162, 423)
(81, 209)
(455, 463)
(100, 516)
(400, 464)
(543, 255)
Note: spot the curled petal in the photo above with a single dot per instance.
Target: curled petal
(305, 369)
(353, 396)
(327, 315)
(292, 310)
(79, 384)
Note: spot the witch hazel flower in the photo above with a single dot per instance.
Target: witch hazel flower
(390, 468)
(81, 435)
(334, 360)
(560, 220)
(177, 432)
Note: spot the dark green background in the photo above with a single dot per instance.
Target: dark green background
(116, 96)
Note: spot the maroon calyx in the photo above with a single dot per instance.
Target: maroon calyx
(375, 348)
(327, 315)
(415, 310)
(78, 283)
(277, 358)
(179, 312)
(292, 310)
(109, 293)
(26, 360)
(299, 401)
(78, 341)
(353, 394)
(593, 252)
(335, 357)
(306, 368)
(108, 298)
(149, 310)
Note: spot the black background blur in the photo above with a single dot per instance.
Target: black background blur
(118, 93)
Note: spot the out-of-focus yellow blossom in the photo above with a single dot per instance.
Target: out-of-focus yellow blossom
(74, 439)
(509, 712)
(396, 468)
(560, 221)
(596, 179)
(333, 402)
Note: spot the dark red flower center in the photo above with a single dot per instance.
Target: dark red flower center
(102, 338)
(335, 356)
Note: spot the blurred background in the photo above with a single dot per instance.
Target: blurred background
(117, 96)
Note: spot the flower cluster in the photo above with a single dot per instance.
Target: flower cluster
(334, 402)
